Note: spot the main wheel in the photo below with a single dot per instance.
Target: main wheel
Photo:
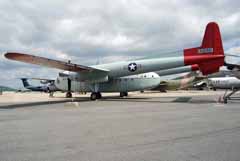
(163, 91)
(69, 94)
(122, 94)
(225, 100)
(93, 96)
(99, 95)
(51, 94)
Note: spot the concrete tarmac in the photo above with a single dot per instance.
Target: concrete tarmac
(175, 126)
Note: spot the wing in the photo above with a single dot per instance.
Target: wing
(42, 79)
(51, 63)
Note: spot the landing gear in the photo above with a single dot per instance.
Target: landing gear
(69, 95)
(228, 96)
(163, 91)
(225, 100)
(96, 95)
(99, 95)
(51, 94)
(122, 94)
(69, 84)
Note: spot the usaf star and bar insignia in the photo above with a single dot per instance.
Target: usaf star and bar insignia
(132, 67)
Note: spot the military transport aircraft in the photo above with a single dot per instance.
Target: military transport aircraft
(127, 76)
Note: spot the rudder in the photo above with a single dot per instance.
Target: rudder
(211, 51)
(25, 82)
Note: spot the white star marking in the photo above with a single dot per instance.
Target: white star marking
(132, 67)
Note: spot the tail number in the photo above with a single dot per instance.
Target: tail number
(205, 50)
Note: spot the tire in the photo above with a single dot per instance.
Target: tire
(225, 100)
(122, 94)
(93, 96)
(68, 95)
(99, 95)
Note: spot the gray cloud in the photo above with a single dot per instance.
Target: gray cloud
(86, 31)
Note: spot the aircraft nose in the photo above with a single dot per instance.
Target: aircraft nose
(156, 82)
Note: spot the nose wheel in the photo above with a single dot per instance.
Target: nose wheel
(69, 95)
(95, 95)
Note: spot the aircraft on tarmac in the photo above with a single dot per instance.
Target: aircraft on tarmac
(47, 87)
(224, 83)
(228, 83)
(182, 82)
(127, 76)
(179, 82)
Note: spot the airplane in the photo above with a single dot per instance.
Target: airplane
(49, 86)
(125, 76)
(181, 82)
(177, 82)
(230, 72)
(228, 83)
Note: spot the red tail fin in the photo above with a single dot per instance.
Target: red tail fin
(210, 55)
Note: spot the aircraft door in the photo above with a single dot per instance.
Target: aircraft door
(69, 85)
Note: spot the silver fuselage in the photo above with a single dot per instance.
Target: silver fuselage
(121, 69)
(225, 83)
(122, 84)
(118, 77)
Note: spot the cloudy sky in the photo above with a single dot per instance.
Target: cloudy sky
(92, 31)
